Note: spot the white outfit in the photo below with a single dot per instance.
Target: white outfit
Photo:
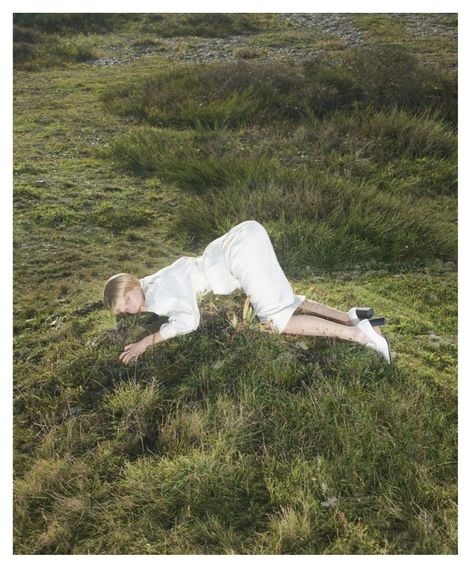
(242, 258)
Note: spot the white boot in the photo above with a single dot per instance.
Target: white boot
(377, 341)
(352, 314)
(353, 317)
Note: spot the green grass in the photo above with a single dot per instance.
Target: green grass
(354, 173)
(388, 28)
(232, 440)
(38, 51)
(58, 39)
(261, 93)
(394, 29)
(205, 25)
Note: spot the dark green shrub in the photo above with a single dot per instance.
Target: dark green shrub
(203, 25)
(388, 76)
(27, 35)
(328, 87)
(259, 93)
(73, 23)
(23, 52)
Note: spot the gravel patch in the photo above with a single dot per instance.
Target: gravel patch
(338, 26)
(428, 25)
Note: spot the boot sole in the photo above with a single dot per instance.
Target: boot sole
(377, 321)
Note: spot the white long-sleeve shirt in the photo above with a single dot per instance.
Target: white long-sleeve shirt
(170, 292)
(173, 291)
(246, 249)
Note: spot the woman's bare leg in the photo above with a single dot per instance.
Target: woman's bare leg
(307, 325)
(309, 306)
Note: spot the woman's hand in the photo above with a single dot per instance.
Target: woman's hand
(133, 351)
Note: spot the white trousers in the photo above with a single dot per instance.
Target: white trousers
(249, 255)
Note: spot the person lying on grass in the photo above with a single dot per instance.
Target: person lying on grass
(241, 258)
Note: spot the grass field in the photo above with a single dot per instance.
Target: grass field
(234, 440)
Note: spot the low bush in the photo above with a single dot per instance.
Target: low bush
(201, 24)
(380, 136)
(258, 93)
(45, 51)
(64, 23)
(27, 35)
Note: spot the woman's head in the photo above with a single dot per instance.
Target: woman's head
(123, 294)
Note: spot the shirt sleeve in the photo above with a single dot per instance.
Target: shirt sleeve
(173, 297)
(179, 323)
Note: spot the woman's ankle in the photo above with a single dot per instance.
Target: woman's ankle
(360, 336)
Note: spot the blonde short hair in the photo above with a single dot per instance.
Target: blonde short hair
(116, 288)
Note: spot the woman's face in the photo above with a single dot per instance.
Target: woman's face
(133, 302)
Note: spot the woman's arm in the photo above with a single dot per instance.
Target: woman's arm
(178, 324)
(133, 351)
(153, 339)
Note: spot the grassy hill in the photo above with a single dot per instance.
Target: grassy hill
(140, 138)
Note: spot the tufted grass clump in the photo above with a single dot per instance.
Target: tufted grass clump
(246, 93)
(135, 414)
(64, 23)
(36, 51)
(202, 24)
(337, 204)
(196, 165)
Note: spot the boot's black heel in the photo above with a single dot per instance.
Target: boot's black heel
(364, 312)
(377, 321)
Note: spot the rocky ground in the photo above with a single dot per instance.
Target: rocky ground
(338, 27)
